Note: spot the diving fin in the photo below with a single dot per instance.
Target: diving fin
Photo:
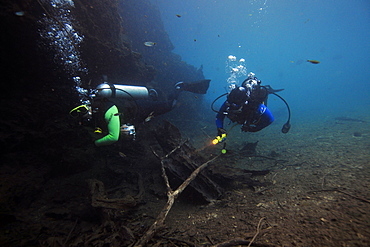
(200, 86)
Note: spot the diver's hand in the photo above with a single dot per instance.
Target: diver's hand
(221, 131)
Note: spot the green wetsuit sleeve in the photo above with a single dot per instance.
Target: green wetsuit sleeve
(112, 119)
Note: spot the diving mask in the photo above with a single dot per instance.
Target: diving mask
(80, 111)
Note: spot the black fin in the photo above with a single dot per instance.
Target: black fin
(200, 87)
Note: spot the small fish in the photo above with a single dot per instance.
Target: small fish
(313, 61)
(178, 16)
(149, 117)
(19, 13)
(195, 40)
(149, 43)
(122, 155)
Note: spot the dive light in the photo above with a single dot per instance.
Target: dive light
(219, 139)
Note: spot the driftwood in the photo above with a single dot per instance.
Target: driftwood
(184, 161)
(99, 197)
(343, 192)
(171, 196)
(244, 241)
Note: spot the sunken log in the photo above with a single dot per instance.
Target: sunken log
(184, 161)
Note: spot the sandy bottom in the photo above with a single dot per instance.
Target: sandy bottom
(317, 193)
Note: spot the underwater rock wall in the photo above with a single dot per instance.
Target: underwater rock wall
(113, 34)
(38, 90)
(44, 47)
(143, 24)
(112, 43)
(106, 48)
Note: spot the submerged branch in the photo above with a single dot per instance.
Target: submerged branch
(171, 196)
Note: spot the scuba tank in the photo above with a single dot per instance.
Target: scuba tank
(106, 90)
(118, 94)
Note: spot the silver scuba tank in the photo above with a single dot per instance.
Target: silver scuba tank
(106, 90)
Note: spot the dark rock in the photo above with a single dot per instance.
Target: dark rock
(249, 148)
(357, 134)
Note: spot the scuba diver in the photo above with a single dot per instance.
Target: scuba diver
(113, 104)
(246, 105)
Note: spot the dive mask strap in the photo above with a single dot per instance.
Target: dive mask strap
(79, 111)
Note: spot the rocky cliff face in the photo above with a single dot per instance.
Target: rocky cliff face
(45, 43)
(106, 36)
(112, 33)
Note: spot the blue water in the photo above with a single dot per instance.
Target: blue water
(276, 38)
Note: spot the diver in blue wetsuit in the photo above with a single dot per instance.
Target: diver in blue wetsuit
(245, 106)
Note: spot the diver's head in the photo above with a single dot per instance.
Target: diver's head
(83, 112)
(251, 82)
(237, 98)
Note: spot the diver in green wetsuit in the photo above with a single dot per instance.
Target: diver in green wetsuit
(100, 113)
(108, 117)
(112, 119)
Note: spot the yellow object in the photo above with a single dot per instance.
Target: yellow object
(219, 139)
(98, 130)
(79, 110)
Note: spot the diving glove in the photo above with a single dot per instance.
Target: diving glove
(221, 131)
